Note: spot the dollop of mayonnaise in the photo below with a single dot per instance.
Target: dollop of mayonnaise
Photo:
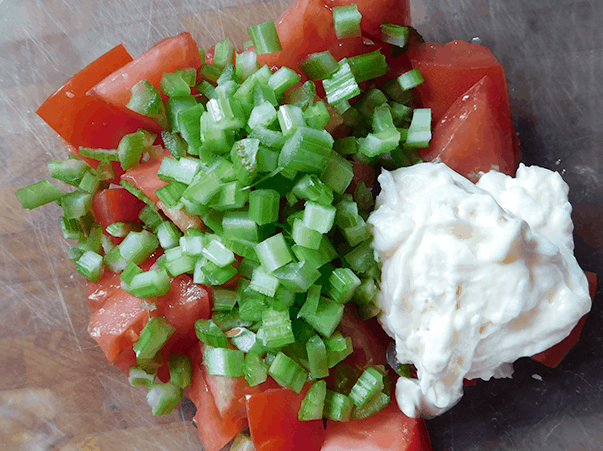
(474, 276)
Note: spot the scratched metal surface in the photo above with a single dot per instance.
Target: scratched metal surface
(57, 392)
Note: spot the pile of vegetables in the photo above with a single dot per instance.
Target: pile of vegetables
(220, 207)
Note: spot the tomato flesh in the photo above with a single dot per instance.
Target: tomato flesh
(387, 429)
(471, 138)
(115, 205)
(144, 177)
(274, 426)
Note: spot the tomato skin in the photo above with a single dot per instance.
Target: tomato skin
(555, 354)
(178, 52)
(388, 429)
(214, 431)
(274, 426)
(61, 108)
(471, 138)
(114, 205)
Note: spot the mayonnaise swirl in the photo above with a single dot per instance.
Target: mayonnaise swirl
(474, 276)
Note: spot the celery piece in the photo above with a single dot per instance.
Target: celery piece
(307, 150)
(90, 265)
(163, 398)
(181, 370)
(287, 372)
(312, 405)
(341, 85)
(150, 284)
(372, 406)
(264, 206)
(342, 285)
(395, 34)
(75, 204)
(317, 357)
(290, 117)
(223, 361)
(346, 20)
(146, 100)
(152, 338)
(317, 116)
(283, 79)
(265, 38)
(273, 252)
(173, 85)
(209, 333)
(254, 369)
(277, 328)
(318, 66)
(410, 79)
(367, 386)
(223, 53)
(338, 407)
(368, 65)
(246, 64)
(68, 171)
(327, 316)
(419, 132)
(302, 96)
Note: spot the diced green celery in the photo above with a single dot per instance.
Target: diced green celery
(307, 150)
(283, 79)
(146, 100)
(181, 370)
(367, 386)
(223, 361)
(318, 66)
(209, 333)
(347, 21)
(368, 65)
(150, 284)
(90, 265)
(326, 318)
(338, 407)
(163, 398)
(287, 372)
(152, 338)
(223, 53)
(312, 405)
(173, 85)
(273, 252)
(265, 38)
(341, 85)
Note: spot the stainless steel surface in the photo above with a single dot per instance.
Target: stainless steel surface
(57, 392)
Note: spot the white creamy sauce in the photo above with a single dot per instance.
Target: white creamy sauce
(474, 277)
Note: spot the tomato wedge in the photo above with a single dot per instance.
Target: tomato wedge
(451, 69)
(388, 429)
(229, 394)
(274, 426)
(555, 354)
(471, 138)
(214, 431)
(61, 109)
(178, 52)
(86, 121)
(307, 26)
